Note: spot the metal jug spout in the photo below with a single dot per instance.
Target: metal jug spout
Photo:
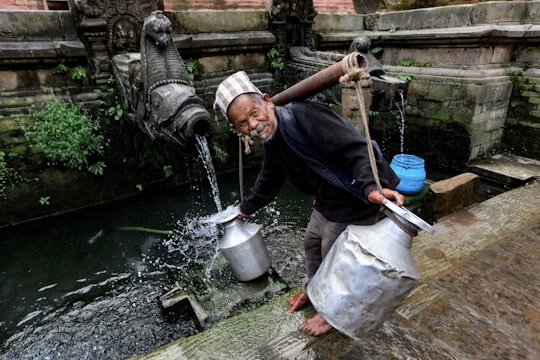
(367, 273)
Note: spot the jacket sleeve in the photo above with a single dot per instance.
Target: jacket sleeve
(342, 144)
(267, 185)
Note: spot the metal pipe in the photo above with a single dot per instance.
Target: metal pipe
(317, 82)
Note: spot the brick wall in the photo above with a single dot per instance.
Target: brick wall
(322, 6)
(21, 5)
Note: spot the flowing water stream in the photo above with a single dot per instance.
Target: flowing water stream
(206, 157)
(401, 108)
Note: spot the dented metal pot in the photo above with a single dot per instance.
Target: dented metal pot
(367, 273)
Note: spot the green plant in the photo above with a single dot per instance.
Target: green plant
(66, 134)
(404, 76)
(77, 73)
(44, 200)
(405, 62)
(111, 82)
(116, 111)
(167, 170)
(396, 114)
(275, 63)
(430, 64)
(191, 67)
(139, 187)
(97, 168)
(376, 50)
(394, 28)
(60, 69)
(220, 154)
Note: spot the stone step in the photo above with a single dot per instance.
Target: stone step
(510, 170)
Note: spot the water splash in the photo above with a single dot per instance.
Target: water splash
(206, 157)
(401, 108)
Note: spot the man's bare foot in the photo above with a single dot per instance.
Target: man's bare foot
(315, 326)
(295, 302)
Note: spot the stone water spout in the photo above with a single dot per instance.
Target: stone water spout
(386, 90)
(156, 92)
(321, 72)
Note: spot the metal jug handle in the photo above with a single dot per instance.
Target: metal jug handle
(408, 216)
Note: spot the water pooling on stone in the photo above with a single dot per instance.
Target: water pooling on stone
(83, 286)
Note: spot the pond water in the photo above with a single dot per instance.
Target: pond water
(86, 284)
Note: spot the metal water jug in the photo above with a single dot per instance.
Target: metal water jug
(242, 245)
(367, 273)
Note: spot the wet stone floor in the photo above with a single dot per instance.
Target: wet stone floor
(489, 308)
(478, 299)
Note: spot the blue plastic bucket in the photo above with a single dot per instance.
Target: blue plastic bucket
(410, 170)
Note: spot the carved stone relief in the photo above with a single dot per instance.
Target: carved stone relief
(110, 27)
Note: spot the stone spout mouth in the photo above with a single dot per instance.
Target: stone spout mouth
(201, 127)
(182, 133)
(386, 92)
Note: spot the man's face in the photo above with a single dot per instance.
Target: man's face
(251, 117)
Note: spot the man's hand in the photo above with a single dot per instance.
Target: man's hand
(241, 215)
(376, 197)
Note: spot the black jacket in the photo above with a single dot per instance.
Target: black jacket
(320, 135)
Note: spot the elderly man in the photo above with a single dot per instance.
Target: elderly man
(321, 155)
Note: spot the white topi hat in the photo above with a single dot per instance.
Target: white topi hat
(230, 88)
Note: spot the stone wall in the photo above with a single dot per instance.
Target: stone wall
(322, 6)
(473, 74)
(468, 67)
(30, 187)
(522, 131)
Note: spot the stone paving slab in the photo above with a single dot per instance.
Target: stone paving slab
(478, 299)
(507, 169)
(489, 308)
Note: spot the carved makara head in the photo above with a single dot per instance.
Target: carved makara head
(158, 28)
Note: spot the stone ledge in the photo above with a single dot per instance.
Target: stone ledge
(27, 50)
(429, 37)
(450, 195)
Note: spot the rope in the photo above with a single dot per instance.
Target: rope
(356, 74)
(247, 144)
(240, 169)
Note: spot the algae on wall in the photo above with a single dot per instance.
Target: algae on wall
(522, 131)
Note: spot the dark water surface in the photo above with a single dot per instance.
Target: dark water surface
(85, 285)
